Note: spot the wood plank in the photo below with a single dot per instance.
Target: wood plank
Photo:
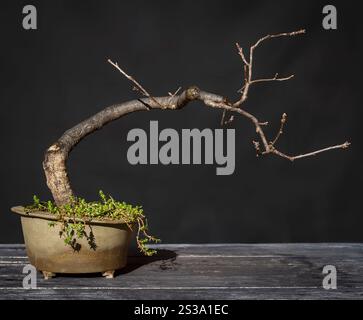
(183, 294)
(220, 271)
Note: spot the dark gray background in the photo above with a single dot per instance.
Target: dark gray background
(56, 76)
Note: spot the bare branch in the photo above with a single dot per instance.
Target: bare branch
(228, 121)
(175, 93)
(57, 154)
(280, 132)
(269, 147)
(345, 145)
(240, 52)
(275, 78)
(248, 66)
(263, 123)
(284, 34)
(172, 95)
(223, 117)
(138, 86)
(224, 106)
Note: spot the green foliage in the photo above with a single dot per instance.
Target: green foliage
(73, 218)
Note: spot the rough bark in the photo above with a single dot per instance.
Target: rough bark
(56, 155)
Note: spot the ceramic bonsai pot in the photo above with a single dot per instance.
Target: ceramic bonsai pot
(49, 254)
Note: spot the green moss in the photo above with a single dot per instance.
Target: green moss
(105, 209)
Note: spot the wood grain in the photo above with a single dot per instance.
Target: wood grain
(220, 271)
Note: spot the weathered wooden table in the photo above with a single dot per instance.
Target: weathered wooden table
(221, 271)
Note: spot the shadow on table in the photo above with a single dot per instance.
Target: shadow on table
(135, 261)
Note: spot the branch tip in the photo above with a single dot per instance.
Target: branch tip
(346, 145)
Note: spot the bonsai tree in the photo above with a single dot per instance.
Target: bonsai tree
(57, 154)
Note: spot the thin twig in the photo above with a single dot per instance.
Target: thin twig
(240, 52)
(278, 35)
(263, 123)
(228, 121)
(173, 95)
(280, 132)
(275, 78)
(138, 85)
(248, 65)
(223, 117)
(345, 145)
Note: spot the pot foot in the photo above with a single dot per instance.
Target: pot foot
(109, 274)
(48, 275)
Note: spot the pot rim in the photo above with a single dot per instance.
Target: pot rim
(20, 210)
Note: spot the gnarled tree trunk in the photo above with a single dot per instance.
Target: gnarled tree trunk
(56, 155)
